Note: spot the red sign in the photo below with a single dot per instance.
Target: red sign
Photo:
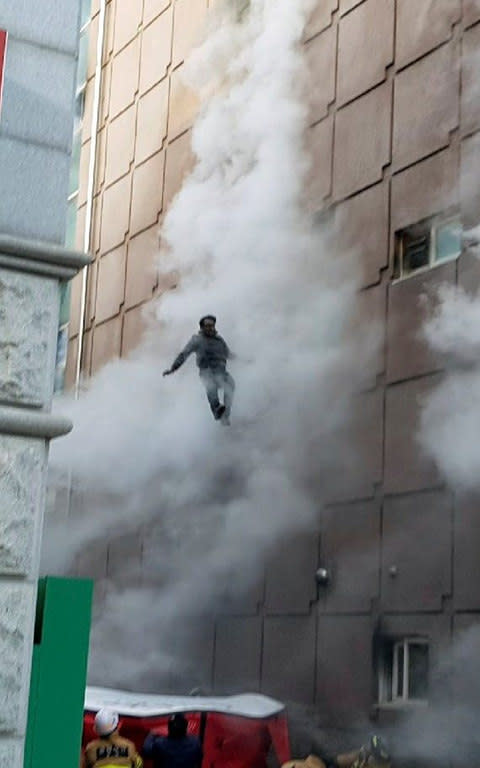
(3, 51)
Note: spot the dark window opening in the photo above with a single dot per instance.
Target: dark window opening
(418, 670)
(416, 251)
(403, 673)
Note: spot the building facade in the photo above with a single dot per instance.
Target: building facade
(143, 155)
(395, 139)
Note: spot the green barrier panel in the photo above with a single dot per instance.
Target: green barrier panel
(59, 669)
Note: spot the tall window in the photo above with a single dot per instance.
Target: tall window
(430, 242)
(71, 225)
(79, 109)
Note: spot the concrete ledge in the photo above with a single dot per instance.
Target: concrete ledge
(46, 258)
(26, 423)
(20, 264)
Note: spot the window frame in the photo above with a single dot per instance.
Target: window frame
(79, 98)
(431, 225)
(388, 678)
(73, 188)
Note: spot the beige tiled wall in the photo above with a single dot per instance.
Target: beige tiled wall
(394, 139)
(143, 154)
(393, 113)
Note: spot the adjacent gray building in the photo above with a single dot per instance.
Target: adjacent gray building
(36, 127)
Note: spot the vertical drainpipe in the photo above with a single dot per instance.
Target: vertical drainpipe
(91, 185)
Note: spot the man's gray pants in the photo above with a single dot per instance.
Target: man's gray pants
(213, 380)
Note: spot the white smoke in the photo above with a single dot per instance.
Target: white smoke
(452, 329)
(450, 413)
(450, 420)
(145, 450)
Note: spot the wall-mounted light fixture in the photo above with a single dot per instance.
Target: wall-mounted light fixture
(322, 577)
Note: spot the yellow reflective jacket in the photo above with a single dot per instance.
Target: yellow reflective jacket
(112, 752)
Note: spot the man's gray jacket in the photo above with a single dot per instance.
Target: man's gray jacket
(211, 352)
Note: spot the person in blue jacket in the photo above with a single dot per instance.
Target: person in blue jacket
(176, 750)
(212, 353)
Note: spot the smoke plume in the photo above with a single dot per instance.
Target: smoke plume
(450, 419)
(145, 453)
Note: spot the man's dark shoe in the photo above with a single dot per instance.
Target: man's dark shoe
(219, 412)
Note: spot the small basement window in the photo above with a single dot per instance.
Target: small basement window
(404, 671)
(430, 242)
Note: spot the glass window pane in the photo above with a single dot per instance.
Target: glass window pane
(387, 681)
(82, 59)
(61, 361)
(71, 227)
(65, 292)
(85, 12)
(416, 253)
(400, 665)
(75, 164)
(448, 241)
(79, 110)
(418, 670)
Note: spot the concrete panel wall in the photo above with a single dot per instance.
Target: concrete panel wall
(237, 654)
(344, 643)
(466, 562)
(365, 48)
(288, 658)
(406, 467)
(143, 154)
(290, 576)
(408, 354)
(350, 551)
(416, 577)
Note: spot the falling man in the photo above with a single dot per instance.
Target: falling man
(212, 353)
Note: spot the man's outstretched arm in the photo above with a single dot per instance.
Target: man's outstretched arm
(228, 352)
(180, 359)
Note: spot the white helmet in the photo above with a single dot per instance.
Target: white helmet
(106, 722)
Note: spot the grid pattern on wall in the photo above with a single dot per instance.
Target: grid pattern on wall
(143, 155)
(395, 138)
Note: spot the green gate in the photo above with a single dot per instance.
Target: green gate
(59, 669)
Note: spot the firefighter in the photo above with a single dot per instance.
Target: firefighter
(177, 749)
(110, 749)
(212, 353)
